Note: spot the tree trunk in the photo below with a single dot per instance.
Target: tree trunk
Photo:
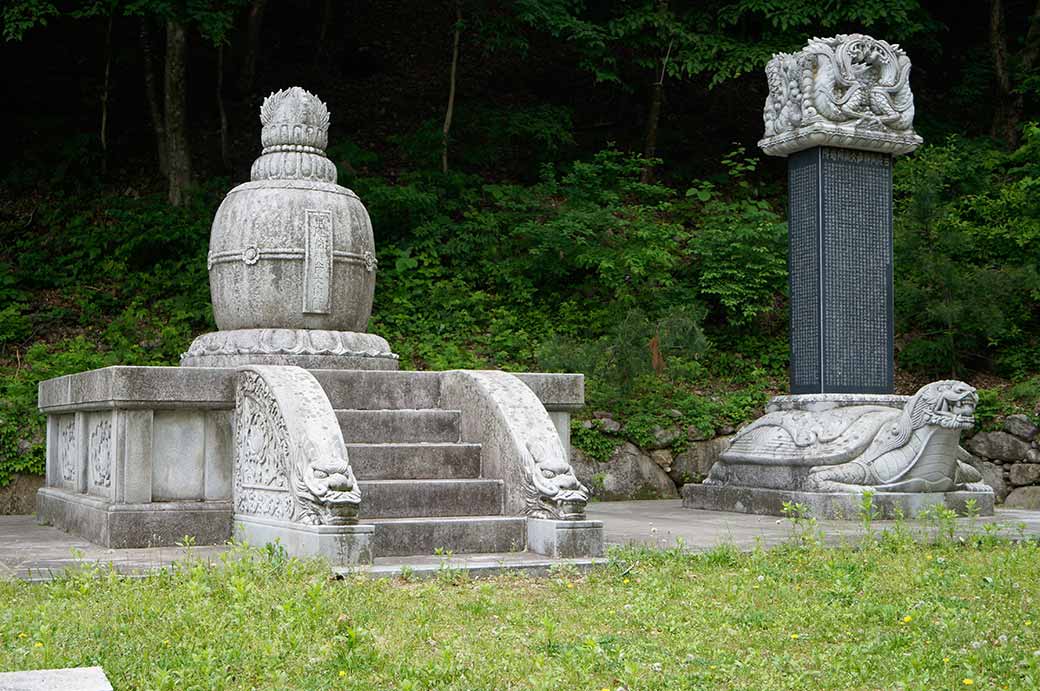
(653, 117)
(1010, 106)
(653, 114)
(1007, 115)
(449, 113)
(176, 116)
(256, 19)
(104, 96)
(224, 156)
(323, 31)
(152, 94)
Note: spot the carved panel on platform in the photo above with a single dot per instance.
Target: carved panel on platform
(68, 448)
(261, 449)
(99, 454)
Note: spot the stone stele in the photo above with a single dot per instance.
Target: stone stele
(839, 110)
(842, 433)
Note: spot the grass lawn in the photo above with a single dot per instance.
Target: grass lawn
(886, 615)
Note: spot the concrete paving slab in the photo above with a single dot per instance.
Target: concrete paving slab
(68, 679)
(36, 552)
(662, 522)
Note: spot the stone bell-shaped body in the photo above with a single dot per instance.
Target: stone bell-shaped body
(291, 249)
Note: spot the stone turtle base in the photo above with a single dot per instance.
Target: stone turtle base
(825, 505)
(156, 524)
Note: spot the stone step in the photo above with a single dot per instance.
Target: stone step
(443, 461)
(458, 535)
(417, 498)
(380, 389)
(386, 426)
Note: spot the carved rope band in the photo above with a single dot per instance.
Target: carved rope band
(252, 254)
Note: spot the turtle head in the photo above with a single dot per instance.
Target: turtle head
(949, 404)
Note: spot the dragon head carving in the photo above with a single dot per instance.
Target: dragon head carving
(325, 487)
(948, 403)
(553, 490)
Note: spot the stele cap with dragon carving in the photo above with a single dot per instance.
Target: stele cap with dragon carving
(850, 91)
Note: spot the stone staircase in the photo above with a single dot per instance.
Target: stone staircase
(421, 485)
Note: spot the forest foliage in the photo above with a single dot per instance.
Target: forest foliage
(549, 242)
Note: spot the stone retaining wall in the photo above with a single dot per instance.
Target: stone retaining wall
(657, 472)
(19, 496)
(1009, 459)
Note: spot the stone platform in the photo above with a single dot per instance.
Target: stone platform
(142, 456)
(831, 505)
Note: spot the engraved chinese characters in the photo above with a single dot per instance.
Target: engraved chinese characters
(803, 264)
(841, 271)
(317, 267)
(857, 271)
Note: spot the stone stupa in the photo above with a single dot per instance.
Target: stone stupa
(292, 266)
(291, 423)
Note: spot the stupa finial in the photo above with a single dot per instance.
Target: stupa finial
(294, 136)
(294, 116)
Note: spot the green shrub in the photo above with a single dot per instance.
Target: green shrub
(739, 243)
(967, 239)
(594, 443)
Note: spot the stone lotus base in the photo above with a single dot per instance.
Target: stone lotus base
(823, 505)
(116, 525)
(306, 348)
(342, 545)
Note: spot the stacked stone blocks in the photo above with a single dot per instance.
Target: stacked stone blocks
(1009, 459)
